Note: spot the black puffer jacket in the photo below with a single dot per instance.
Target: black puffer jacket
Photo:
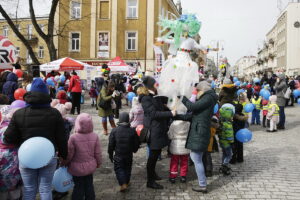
(123, 140)
(157, 119)
(39, 120)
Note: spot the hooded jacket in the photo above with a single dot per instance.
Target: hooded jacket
(136, 114)
(123, 140)
(38, 119)
(10, 86)
(227, 94)
(3, 78)
(178, 133)
(84, 148)
(75, 85)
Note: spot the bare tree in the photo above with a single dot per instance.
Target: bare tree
(19, 35)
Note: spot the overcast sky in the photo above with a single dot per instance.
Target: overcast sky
(241, 25)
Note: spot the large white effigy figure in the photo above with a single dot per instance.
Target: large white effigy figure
(179, 73)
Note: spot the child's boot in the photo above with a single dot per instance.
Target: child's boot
(172, 180)
(225, 170)
(105, 131)
(123, 188)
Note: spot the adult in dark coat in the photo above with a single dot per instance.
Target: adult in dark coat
(199, 134)
(3, 78)
(280, 88)
(10, 86)
(156, 118)
(38, 119)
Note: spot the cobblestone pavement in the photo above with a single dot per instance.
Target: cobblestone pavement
(271, 170)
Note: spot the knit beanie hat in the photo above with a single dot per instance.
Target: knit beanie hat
(227, 81)
(149, 82)
(38, 85)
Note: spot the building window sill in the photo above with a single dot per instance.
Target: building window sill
(132, 18)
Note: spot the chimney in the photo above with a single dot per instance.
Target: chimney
(179, 7)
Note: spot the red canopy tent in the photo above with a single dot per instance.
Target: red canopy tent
(65, 64)
(119, 65)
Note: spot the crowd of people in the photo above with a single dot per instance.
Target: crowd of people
(190, 136)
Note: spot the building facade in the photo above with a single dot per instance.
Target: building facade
(96, 31)
(242, 65)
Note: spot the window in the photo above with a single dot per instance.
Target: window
(104, 9)
(75, 42)
(131, 41)
(132, 8)
(17, 51)
(5, 31)
(41, 52)
(28, 58)
(29, 31)
(75, 10)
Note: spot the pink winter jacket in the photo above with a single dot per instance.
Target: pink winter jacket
(136, 114)
(84, 150)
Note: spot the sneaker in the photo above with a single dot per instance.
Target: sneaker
(183, 179)
(172, 180)
(154, 185)
(202, 189)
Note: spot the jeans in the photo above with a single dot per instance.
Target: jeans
(123, 167)
(38, 179)
(255, 116)
(151, 163)
(175, 160)
(197, 159)
(76, 98)
(281, 116)
(227, 155)
(83, 188)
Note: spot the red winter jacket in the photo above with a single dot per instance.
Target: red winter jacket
(75, 85)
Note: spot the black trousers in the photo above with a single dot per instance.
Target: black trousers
(123, 167)
(84, 188)
(207, 161)
(265, 120)
(151, 163)
(238, 151)
(76, 97)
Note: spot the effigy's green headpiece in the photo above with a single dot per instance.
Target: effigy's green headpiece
(186, 23)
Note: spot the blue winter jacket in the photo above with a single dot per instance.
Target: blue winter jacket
(10, 86)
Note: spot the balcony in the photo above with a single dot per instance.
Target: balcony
(32, 39)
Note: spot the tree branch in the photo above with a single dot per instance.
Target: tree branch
(51, 17)
(34, 22)
(19, 35)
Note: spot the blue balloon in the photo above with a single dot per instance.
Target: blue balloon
(249, 108)
(213, 85)
(237, 83)
(244, 135)
(49, 81)
(62, 78)
(216, 108)
(235, 79)
(240, 91)
(130, 96)
(36, 152)
(262, 91)
(266, 94)
(298, 101)
(256, 80)
(296, 93)
(62, 180)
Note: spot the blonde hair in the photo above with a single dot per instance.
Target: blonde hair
(142, 91)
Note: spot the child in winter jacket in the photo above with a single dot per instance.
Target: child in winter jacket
(93, 95)
(178, 133)
(265, 107)
(123, 142)
(207, 159)
(273, 114)
(256, 101)
(239, 122)
(136, 114)
(226, 136)
(62, 96)
(10, 177)
(84, 156)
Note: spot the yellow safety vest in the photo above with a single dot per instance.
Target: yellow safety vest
(256, 103)
(266, 107)
(276, 113)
